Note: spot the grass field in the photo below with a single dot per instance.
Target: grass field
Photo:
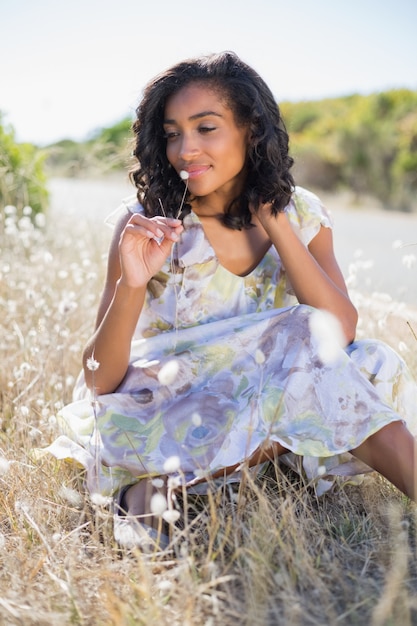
(267, 552)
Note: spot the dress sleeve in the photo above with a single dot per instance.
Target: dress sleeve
(307, 214)
(129, 204)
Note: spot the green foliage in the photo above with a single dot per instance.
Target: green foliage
(365, 143)
(22, 176)
(107, 150)
(116, 135)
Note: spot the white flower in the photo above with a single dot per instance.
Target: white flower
(70, 495)
(92, 364)
(168, 372)
(200, 473)
(409, 260)
(40, 220)
(382, 323)
(165, 586)
(174, 482)
(171, 516)
(327, 331)
(4, 466)
(172, 464)
(259, 357)
(66, 306)
(158, 504)
(99, 500)
(196, 419)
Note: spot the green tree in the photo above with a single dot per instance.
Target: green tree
(107, 149)
(22, 176)
(365, 143)
(117, 135)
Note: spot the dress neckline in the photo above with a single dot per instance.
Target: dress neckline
(194, 219)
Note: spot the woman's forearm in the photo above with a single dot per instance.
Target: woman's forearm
(110, 345)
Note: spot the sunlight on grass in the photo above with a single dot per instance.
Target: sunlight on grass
(264, 552)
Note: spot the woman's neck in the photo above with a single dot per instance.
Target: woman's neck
(205, 207)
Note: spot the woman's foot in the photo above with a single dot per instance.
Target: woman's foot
(135, 525)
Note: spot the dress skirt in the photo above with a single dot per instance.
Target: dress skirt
(207, 397)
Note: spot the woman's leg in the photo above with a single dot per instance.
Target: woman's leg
(392, 452)
(137, 498)
(135, 526)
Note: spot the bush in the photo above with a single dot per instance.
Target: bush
(22, 176)
(367, 144)
(108, 150)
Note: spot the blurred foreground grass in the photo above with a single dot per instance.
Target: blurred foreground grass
(266, 552)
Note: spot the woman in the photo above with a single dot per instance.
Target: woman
(204, 349)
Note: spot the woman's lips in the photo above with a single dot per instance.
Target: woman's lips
(196, 170)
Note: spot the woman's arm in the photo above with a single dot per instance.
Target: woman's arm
(134, 257)
(312, 271)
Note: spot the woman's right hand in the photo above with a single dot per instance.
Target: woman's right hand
(144, 246)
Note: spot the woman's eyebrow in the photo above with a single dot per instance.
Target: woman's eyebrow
(196, 116)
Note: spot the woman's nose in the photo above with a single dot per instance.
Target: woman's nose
(189, 146)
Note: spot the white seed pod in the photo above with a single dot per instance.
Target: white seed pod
(4, 466)
(327, 331)
(92, 364)
(171, 516)
(172, 464)
(158, 504)
(259, 357)
(168, 372)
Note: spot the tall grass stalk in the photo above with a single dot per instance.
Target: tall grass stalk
(267, 551)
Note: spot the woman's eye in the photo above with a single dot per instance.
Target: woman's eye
(173, 134)
(170, 134)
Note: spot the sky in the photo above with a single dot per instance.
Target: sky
(70, 68)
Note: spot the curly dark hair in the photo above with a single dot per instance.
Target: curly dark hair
(247, 95)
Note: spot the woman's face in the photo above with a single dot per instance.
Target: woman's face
(204, 140)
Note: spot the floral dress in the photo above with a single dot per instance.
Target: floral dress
(221, 364)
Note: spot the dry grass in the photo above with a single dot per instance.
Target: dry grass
(266, 552)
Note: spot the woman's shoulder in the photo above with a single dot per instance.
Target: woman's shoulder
(305, 201)
(128, 205)
(307, 213)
